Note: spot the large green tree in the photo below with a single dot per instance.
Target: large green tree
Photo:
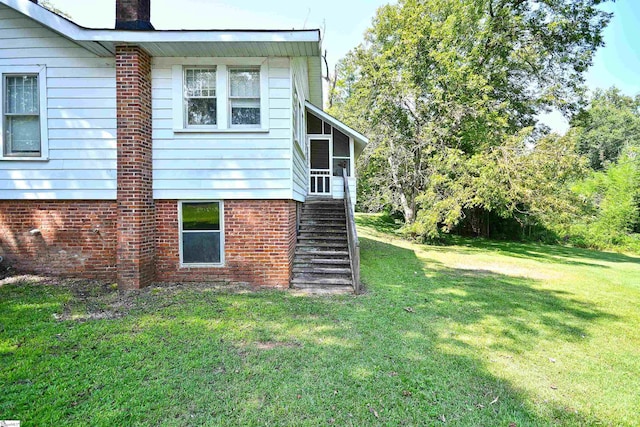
(438, 83)
(608, 126)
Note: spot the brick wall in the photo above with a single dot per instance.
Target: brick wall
(75, 239)
(259, 245)
(136, 209)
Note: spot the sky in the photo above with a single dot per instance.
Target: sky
(344, 22)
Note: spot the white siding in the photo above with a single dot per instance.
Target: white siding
(81, 116)
(300, 171)
(337, 188)
(222, 165)
(315, 80)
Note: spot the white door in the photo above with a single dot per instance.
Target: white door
(320, 169)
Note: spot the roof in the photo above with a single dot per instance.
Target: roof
(249, 43)
(359, 139)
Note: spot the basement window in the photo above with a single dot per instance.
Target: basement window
(201, 233)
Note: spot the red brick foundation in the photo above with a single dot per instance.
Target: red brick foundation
(74, 238)
(79, 239)
(259, 243)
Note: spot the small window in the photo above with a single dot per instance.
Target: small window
(244, 96)
(314, 125)
(297, 120)
(21, 121)
(327, 128)
(201, 240)
(341, 156)
(200, 97)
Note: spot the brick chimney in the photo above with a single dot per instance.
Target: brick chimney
(133, 15)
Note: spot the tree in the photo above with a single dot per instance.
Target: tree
(437, 82)
(609, 125)
(614, 194)
(519, 180)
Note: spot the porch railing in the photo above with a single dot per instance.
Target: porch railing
(320, 181)
(352, 235)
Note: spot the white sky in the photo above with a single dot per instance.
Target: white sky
(344, 22)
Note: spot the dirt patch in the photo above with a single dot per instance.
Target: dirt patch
(96, 300)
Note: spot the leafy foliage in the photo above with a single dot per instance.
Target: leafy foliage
(444, 90)
(610, 124)
(613, 196)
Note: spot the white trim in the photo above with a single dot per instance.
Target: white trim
(222, 95)
(218, 130)
(180, 231)
(329, 139)
(352, 157)
(223, 98)
(41, 71)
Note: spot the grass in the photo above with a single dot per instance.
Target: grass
(477, 333)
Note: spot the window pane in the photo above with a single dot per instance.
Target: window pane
(22, 94)
(314, 124)
(340, 144)
(245, 112)
(200, 248)
(327, 129)
(319, 154)
(201, 216)
(244, 82)
(23, 134)
(339, 164)
(201, 111)
(200, 82)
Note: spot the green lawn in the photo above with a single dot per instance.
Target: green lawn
(479, 334)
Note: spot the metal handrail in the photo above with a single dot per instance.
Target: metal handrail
(352, 235)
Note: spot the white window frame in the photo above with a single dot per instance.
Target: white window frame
(297, 122)
(222, 66)
(230, 98)
(221, 231)
(338, 158)
(185, 98)
(41, 72)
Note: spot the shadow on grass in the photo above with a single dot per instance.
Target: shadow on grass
(198, 356)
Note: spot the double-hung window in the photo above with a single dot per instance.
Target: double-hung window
(201, 233)
(200, 99)
(297, 120)
(24, 131)
(222, 95)
(244, 96)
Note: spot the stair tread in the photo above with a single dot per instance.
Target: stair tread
(327, 236)
(314, 289)
(322, 270)
(322, 252)
(316, 260)
(321, 281)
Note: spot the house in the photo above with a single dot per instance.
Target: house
(137, 155)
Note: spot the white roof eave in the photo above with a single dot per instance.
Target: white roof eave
(359, 138)
(77, 33)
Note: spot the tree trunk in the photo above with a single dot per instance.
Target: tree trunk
(407, 204)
